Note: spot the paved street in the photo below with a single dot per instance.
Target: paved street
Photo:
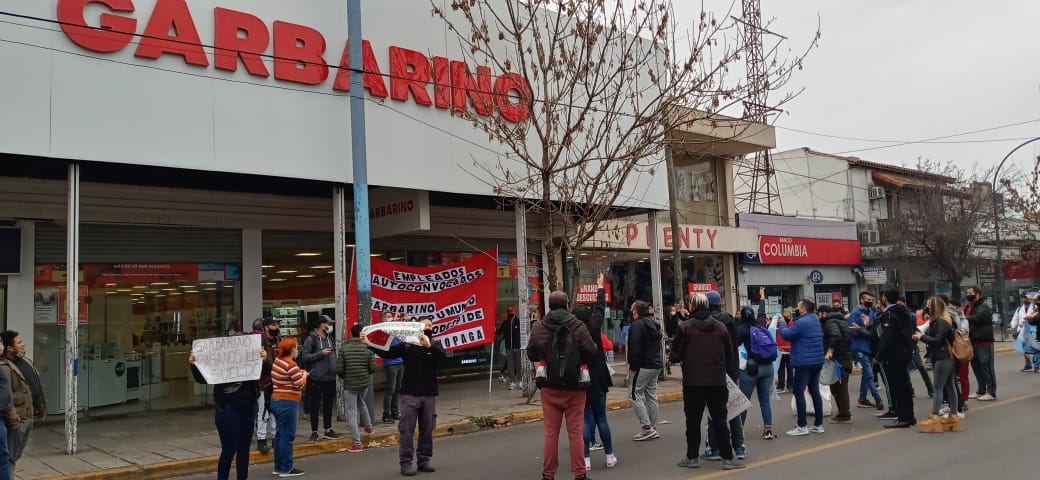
(994, 444)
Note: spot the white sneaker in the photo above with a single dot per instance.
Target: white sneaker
(986, 398)
(815, 429)
(611, 461)
(798, 432)
(588, 464)
(973, 396)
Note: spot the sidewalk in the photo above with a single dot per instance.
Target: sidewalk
(164, 444)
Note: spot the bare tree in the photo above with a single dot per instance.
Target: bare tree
(938, 226)
(608, 82)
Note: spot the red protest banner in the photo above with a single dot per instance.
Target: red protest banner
(459, 296)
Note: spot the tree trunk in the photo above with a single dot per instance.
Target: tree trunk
(673, 216)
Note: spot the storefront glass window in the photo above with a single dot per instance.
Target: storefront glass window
(136, 324)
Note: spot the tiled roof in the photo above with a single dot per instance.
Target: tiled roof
(885, 167)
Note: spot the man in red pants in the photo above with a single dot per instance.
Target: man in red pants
(561, 345)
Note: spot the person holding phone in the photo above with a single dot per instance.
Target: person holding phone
(319, 355)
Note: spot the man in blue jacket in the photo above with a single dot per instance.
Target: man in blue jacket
(860, 320)
(806, 337)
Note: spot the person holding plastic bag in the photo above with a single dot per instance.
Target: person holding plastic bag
(806, 337)
(1025, 334)
(838, 344)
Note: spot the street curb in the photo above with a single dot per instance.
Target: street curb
(175, 468)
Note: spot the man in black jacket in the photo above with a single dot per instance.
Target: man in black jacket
(510, 332)
(837, 343)
(980, 329)
(895, 350)
(736, 426)
(418, 397)
(644, 365)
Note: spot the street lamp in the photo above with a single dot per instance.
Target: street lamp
(1001, 287)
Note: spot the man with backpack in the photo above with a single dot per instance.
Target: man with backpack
(837, 344)
(644, 365)
(562, 347)
(736, 427)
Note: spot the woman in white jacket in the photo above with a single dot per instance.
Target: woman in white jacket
(1022, 330)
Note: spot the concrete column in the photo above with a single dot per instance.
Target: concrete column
(20, 289)
(733, 290)
(252, 282)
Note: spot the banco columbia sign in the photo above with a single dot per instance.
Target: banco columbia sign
(299, 53)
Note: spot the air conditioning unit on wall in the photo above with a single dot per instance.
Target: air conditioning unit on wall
(870, 237)
(876, 192)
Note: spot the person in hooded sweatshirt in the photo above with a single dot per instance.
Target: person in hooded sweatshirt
(561, 401)
(704, 348)
(736, 425)
(644, 365)
(319, 354)
(838, 344)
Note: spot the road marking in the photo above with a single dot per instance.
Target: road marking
(847, 441)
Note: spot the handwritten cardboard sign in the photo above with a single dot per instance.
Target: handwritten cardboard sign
(228, 359)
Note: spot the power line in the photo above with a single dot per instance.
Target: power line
(905, 142)
(943, 137)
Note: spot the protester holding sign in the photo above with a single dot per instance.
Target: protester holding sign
(234, 417)
(704, 348)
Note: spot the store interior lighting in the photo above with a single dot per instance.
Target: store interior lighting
(305, 276)
(286, 271)
(321, 267)
(308, 254)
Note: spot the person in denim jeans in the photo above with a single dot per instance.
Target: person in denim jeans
(759, 372)
(288, 380)
(860, 320)
(806, 337)
(644, 364)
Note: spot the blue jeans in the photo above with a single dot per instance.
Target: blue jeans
(807, 376)
(235, 428)
(5, 454)
(866, 379)
(596, 417)
(286, 412)
(764, 383)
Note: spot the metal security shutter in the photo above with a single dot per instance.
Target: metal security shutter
(137, 243)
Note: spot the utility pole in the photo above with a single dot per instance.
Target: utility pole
(359, 158)
(1001, 285)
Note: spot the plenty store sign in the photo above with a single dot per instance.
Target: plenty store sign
(299, 53)
(619, 235)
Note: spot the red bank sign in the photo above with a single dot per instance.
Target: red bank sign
(299, 55)
(812, 251)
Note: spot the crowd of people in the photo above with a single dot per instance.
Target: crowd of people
(801, 351)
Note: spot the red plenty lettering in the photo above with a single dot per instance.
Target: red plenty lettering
(298, 51)
(372, 78)
(115, 31)
(172, 15)
(239, 35)
(409, 72)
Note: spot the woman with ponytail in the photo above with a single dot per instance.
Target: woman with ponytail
(938, 335)
(288, 380)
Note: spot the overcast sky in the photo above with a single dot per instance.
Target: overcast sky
(909, 70)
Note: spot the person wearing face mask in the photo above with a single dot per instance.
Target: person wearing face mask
(1021, 329)
(418, 397)
(860, 319)
(895, 350)
(980, 323)
(319, 354)
(269, 339)
(806, 337)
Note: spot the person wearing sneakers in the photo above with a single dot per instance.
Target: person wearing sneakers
(806, 337)
(784, 372)
(937, 337)
(288, 380)
(394, 373)
(419, 392)
(859, 322)
(319, 355)
(355, 366)
(644, 365)
(980, 320)
(736, 426)
(758, 375)
(895, 350)
(599, 379)
(838, 344)
(704, 348)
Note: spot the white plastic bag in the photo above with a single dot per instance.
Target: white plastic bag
(828, 406)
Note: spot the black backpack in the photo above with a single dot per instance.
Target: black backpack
(563, 364)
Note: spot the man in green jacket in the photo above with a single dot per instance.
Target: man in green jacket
(354, 366)
(26, 390)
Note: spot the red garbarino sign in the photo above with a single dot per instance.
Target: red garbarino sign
(701, 287)
(460, 297)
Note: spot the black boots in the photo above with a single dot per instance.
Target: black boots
(261, 446)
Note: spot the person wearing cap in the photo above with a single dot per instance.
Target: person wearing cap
(714, 448)
(269, 339)
(319, 355)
